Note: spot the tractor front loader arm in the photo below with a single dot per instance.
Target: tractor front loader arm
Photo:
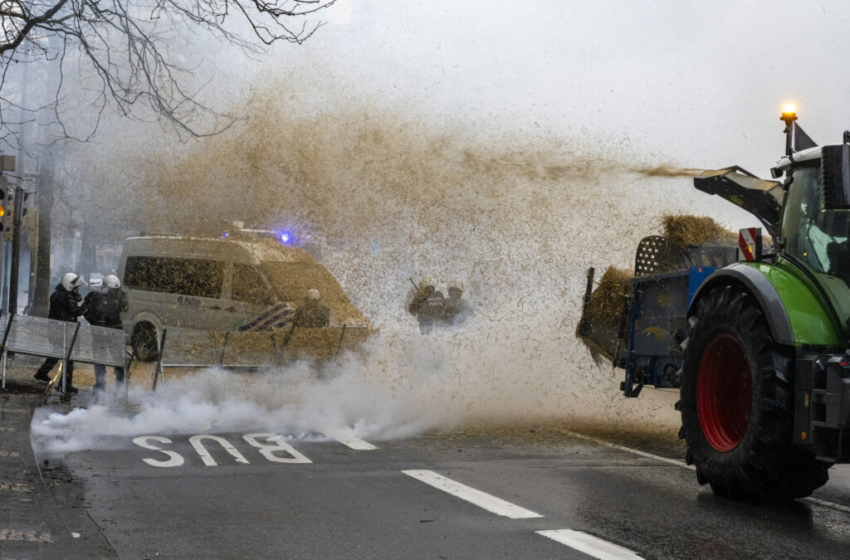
(759, 197)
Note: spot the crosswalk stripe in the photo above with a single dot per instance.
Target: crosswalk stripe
(471, 495)
(590, 545)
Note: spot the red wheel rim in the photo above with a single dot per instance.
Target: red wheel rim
(724, 392)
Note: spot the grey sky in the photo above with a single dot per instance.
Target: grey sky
(701, 83)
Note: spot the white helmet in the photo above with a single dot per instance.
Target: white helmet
(112, 281)
(426, 283)
(313, 294)
(455, 286)
(72, 280)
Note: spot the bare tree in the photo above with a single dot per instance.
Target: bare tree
(64, 62)
(128, 53)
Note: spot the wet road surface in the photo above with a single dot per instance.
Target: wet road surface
(241, 495)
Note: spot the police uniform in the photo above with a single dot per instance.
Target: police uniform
(312, 316)
(63, 307)
(104, 310)
(430, 311)
(455, 310)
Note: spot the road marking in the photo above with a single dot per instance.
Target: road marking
(266, 443)
(5, 429)
(197, 443)
(9, 453)
(471, 495)
(14, 410)
(278, 444)
(811, 500)
(633, 451)
(174, 458)
(31, 536)
(590, 545)
(14, 487)
(350, 441)
(824, 503)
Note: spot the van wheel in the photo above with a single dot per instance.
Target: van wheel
(144, 342)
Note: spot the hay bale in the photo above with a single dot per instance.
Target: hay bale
(606, 301)
(682, 230)
(601, 319)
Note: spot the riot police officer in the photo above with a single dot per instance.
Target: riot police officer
(64, 306)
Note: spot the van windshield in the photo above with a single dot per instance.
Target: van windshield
(291, 280)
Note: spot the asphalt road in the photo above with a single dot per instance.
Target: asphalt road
(430, 497)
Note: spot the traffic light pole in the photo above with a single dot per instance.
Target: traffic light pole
(18, 218)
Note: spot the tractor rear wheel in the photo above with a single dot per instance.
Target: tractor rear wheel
(737, 404)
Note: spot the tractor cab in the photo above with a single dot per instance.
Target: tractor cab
(815, 223)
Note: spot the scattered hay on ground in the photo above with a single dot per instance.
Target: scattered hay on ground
(559, 432)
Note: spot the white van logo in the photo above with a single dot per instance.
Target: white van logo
(190, 301)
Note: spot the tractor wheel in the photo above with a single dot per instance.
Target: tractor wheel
(737, 404)
(144, 342)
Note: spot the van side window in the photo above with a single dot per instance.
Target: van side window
(189, 277)
(249, 287)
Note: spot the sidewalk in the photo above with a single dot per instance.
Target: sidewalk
(39, 504)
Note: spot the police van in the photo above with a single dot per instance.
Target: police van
(220, 285)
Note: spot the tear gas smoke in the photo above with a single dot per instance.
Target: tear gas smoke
(516, 219)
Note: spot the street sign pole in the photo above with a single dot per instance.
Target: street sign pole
(17, 221)
(7, 164)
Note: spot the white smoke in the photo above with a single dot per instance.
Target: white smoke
(402, 385)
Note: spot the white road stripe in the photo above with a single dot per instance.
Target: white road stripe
(198, 443)
(350, 441)
(824, 503)
(590, 545)
(14, 487)
(811, 500)
(31, 536)
(9, 453)
(5, 429)
(14, 410)
(634, 451)
(471, 495)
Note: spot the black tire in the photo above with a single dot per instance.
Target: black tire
(739, 437)
(144, 342)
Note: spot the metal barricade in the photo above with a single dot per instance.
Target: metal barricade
(186, 348)
(49, 338)
(100, 345)
(194, 349)
(190, 348)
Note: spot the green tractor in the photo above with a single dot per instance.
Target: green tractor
(755, 341)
